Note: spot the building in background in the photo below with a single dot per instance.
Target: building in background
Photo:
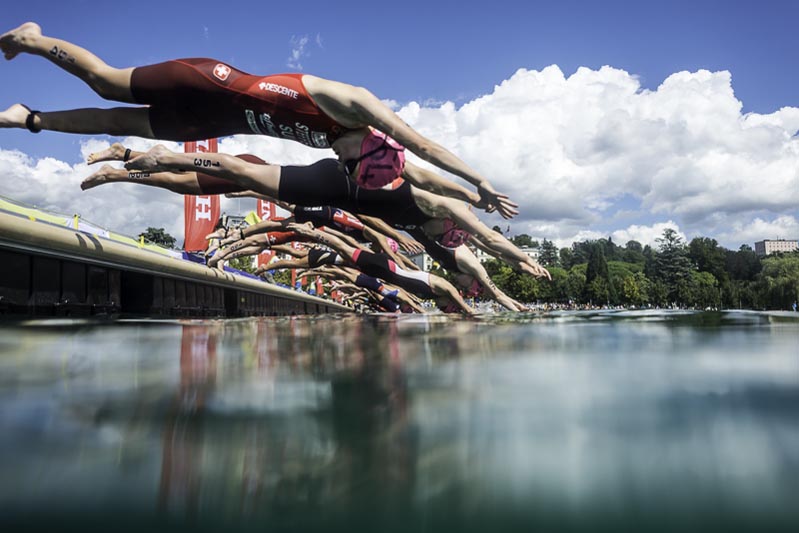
(531, 252)
(768, 247)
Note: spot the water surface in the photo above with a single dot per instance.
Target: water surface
(564, 421)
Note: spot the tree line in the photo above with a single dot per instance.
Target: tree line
(698, 274)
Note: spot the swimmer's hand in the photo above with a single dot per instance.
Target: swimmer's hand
(410, 245)
(491, 201)
(540, 272)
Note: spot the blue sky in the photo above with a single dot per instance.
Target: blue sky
(436, 52)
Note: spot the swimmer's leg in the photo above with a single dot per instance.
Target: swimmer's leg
(119, 121)
(108, 82)
(115, 152)
(262, 178)
(181, 183)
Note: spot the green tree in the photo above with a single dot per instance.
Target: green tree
(566, 258)
(245, 263)
(158, 236)
(549, 254)
(672, 265)
(743, 264)
(778, 282)
(633, 252)
(612, 252)
(576, 283)
(658, 293)
(524, 241)
(599, 292)
(618, 271)
(581, 251)
(635, 289)
(522, 287)
(282, 276)
(556, 290)
(708, 256)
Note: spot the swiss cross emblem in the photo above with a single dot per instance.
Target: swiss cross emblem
(221, 71)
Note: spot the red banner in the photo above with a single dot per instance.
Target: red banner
(200, 213)
(320, 290)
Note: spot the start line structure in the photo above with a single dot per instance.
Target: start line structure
(53, 265)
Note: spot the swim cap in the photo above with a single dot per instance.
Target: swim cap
(382, 161)
(392, 244)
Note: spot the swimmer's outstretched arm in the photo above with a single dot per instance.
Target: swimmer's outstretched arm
(469, 264)
(282, 265)
(250, 246)
(239, 234)
(263, 179)
(523, 264)
(355, 107)
(381, 242)
(346, 238)
(406, 243)
(290, 250)
(432, 182)
(440, 207)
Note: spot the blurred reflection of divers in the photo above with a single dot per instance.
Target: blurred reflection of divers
(352, 457)
(180, 485)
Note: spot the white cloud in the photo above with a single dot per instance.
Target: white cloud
(297, 51)
(646, 234)
(566, 148)
(782, 227)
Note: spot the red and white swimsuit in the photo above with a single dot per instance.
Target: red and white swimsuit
(200, 98)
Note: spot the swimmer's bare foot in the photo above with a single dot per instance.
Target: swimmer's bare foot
(115, 152)
(147, 161)
(19, 39)
(104, 175)
(14, 117)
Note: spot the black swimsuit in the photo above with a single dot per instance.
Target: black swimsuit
(324, 184)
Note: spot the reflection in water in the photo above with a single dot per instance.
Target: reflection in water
(577, 421)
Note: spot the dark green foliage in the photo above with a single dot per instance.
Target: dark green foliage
(244, 263)
(549, 254)
(158, 236)
(524, 241)
(700, 274)
(672, 265)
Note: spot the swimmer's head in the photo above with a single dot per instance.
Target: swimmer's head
(392, 244)
(380, 162)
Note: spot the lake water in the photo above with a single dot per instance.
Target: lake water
(576, 421)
